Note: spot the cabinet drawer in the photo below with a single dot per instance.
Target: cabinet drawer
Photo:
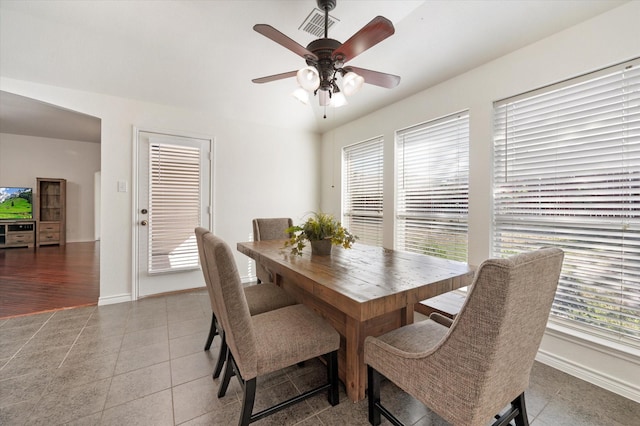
(49, 227)
(20, 237)
(49, 237)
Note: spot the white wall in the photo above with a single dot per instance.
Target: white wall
(25, 158)
(605, 40)
(259, 171)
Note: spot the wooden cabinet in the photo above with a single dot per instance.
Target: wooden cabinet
(51, 211)
(17, 234)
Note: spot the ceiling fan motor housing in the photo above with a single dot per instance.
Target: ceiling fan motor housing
(323, 48)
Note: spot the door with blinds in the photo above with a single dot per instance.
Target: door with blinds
(173, 198)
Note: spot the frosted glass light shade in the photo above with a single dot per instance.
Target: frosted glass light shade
(338, 100)
(301, 95)
(308, 78)
(324, 97)
(351, 83)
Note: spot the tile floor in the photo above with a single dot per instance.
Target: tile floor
(142, 363)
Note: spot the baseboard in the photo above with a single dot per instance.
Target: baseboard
(110, 300)
(589, 373)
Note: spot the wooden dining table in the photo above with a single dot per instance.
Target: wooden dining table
(363, 291)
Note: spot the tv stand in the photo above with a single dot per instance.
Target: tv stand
(17, 233)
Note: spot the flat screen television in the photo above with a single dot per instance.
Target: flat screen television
(16, 203)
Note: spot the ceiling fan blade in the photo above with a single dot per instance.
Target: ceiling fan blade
(371, 34)
(388, 81)
(275, 35)
(275, 77)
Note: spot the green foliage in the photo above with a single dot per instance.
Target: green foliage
(320, 226)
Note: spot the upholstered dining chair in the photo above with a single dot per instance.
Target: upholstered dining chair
(269, 229)
(263, 298)
(470, 371)
(268, 342)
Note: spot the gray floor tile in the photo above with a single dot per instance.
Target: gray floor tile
(192, 326)
(140, 338)
(9, 349)
(142, 357)
(191, 367)
(16, 414)
(33, 362)
(33, 319)
(223, 416)
(29, 387)
(198, 397)
(80, 371)
(143, 363)
(70, 404)
(138, 383)
(144, 323)
(154, 409)
(193, 343)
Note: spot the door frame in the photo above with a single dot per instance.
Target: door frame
(135, 185)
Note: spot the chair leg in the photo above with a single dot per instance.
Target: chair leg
(521, 419)
(226, 377)
(212, 332)
(332, 378)
(373, 395)
(248, 398)
(517, 411)
(222, 356)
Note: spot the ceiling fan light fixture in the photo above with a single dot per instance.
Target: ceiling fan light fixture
(324, 96)
(301, 95)
(338, 99)
(351, 83)
(308, 78)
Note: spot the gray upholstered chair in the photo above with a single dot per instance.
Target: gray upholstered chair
(267, 342)
(481, 364)
(263, 298)
(269, 229)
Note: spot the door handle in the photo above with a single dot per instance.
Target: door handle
(143, 223)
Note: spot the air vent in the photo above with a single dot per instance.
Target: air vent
(314, 24)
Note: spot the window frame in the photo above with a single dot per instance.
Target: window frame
(364, 222)
(449, 218)
(566, 224)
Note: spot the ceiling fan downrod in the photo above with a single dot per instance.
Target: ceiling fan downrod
(326, 5)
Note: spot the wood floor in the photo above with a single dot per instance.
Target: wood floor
(48, 278)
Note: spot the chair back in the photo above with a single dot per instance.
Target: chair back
(492, 343)
(200, 233)
(233, 311)
(269, 229)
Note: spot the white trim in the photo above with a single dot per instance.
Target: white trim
(134, 201)
(600, 373)
(134, 190)
(110, 300)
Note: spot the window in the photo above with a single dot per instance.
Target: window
(567, 174)
(174, 206)
(362, 199)
(433, 188)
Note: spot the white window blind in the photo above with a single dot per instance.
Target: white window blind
(567, 174)
(174, 201)
(433, 187)
(363, 190)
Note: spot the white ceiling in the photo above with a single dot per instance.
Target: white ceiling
(203, 54)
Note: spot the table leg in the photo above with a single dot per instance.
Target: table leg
(406, 315)
(356, 378)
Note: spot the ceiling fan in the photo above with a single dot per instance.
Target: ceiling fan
(326, 58)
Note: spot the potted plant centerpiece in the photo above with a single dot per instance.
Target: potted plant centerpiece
(322, 231)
